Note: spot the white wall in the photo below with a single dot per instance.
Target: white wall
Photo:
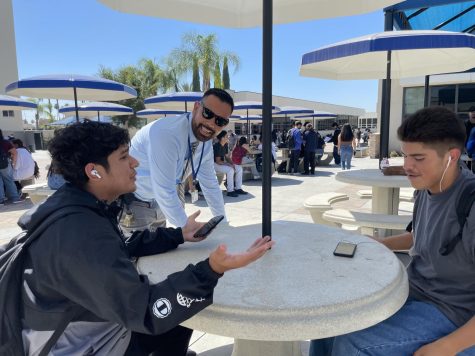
(8, 62)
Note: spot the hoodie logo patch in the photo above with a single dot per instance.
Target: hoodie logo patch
(185, 301)
(162, 308)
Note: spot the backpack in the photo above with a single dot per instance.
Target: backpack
(291, 140)
(4, 161)
(12, 258)
(465, 199)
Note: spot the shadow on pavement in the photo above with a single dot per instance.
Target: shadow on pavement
(8, 207)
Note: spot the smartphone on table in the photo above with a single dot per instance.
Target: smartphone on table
(208, 227)
(345, 249)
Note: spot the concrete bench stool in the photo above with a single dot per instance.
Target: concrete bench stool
(367, 220)
(325, 159)
(319, 203)
(405, 194)
(361, 151)
(38, 192)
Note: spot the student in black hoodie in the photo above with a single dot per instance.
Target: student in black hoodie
(82, 260)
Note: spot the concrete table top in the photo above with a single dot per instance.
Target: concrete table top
(298, 290)
(372, 177)
(385, 189)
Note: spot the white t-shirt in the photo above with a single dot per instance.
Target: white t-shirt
(25, 165)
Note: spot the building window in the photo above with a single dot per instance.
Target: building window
(8, 113)
(466, 98)
(413, 100)
(443, 95)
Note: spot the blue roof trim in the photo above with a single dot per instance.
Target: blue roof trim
(405, 42)
(174, 97)
(252, 106)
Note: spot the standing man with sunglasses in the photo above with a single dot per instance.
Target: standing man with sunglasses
(163, 149)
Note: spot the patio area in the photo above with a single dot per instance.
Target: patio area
(288, 194)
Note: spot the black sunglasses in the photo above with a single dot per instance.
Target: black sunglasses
(208, 115)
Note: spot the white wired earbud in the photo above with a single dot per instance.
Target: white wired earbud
(95, 173)
(445, 171)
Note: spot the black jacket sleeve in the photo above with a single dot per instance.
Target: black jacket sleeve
(91, 267)
(146, 243)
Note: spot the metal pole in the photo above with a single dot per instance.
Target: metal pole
(76, 104)
(98, 118)
(386, 95)
(266, 117)
(426, 91)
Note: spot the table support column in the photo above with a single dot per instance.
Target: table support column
(385, 201)
(266, 348)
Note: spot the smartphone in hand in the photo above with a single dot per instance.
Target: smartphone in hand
(208, 227)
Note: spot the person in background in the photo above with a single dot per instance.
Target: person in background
(223, 164)
(438, 318)
(240, 156)
(296, 134)
(8, 157)
(334, 140)
(25, 167)
(232, 140)
(310, 142)
(358, 137)
(346, 146)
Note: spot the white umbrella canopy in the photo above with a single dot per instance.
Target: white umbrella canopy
(174, 101)
(152, 114)
(93, 109)
(8, 102)
(413, 53)
(246, 13)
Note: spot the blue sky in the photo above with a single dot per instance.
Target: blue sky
(58, 36)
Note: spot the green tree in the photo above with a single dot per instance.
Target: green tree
(40, 108)
(205, 50)
(217, 76)
(226, 81)
(147, 78)
(196, 76)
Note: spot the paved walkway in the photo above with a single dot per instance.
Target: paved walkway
(288, 195)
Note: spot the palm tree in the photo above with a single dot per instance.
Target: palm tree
(40, 108)
(226, 81)
(205, 50)
(217, 76)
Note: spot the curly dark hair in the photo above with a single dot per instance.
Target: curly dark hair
(73, 147)
(435, 126)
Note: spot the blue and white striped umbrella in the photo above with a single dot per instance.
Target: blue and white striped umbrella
(173, 101)
(8, 102)
(318, 115)
(96, 109)
(386, 55)
(291, 111)
(71, 87)
(413, 53)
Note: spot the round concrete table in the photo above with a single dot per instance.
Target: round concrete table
(385, 189)
(299, 290)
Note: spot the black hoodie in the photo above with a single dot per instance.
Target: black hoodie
(82, 260)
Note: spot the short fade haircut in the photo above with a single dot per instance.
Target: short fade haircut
(222, 95)
(79, 144)
(436, 126)
(298, 123)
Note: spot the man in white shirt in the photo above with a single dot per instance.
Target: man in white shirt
(163, 149)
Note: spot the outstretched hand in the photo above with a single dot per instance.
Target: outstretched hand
(221, 261)
(191, 227)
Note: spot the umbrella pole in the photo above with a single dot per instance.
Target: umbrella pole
(98, 118)
(266, 115)
(426, 91)
(76, 104)
(386, 102)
